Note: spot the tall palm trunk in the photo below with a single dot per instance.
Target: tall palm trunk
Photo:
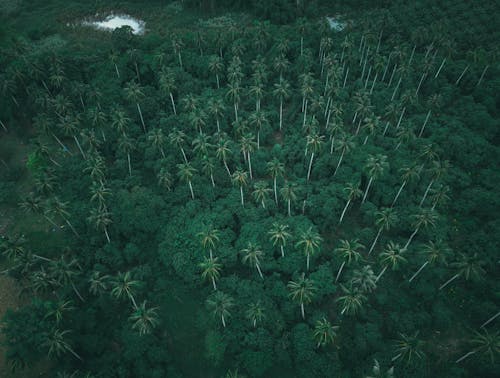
(140, 115)
(191, 189)
(343, 211)
(411, 238)
(227, 168)
(173, 103)
(79, 146)
(213, 283)
(289, 208)
(302, 311)
(310, 166)
(418, 271)
(282, 251)
(398, 193)
(425, 123)
(375, 241)
(381, 273)
(258, 269)
(107, 235)
(426, 192)
(223, 320)
(250, 166)
(281, 113)
(184, 154)
(340, 271)
(340, 161)
(117, 72)
(440, 68)
(241, 194)
(449, 281)
(490, 320)
(367, 189)
(129, 165)
(275, 192)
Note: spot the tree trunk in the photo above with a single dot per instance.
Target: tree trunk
(426, 192)
(236, 112)
(482, 76)
(184, 154)
(281, 113)
(79, 146)
(381, 273)
(367, 189)
(218, 124)
(173, 103)
(223, 321)
(340, 161)
(227, 168)
(129, 165)
(465, 356)
(212, 179)
(241, 193)
(3, 126)
(411, 238)
(117, 72)
(345, 209)
(258, 269)
(401, 118)
(275, 191)
(302, 311)
(282, 251)
(191, 189)
(386, 127)
(490, 320)
(71, 227)
(305, 114)
(396, 88)
(449, 281)
(373, 84)
(440, 68)
(425, 123)
(398, 193)
(107, 235)
(77, 292)
(180, 58)
(310, 166)
(392, 75)
(340, 271)
(375, 241)
(218, 82)
(250, 166)
(289, 208)
(307, 259)
(462, 75)
(386, 68)
(418, 271)
(213, 283)
(140, 115)
(137, 72)
(345, 79)
(420, 83)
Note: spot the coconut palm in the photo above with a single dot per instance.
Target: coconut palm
(350, 252)
(247, 146)
(207, 167)
(216, 66)
(98, 283)
(63, 272)
(351, 301)
(119, 120)
(279, 235)
(314, 144)
(166, 83)
(133, 92)
(434, 252)
(375, 167)
(178, 138)
(70, 126)
(408, 347)
(282, 91)
(302, 291)
(424, 219)
(377, 373)
(157, 139)
(470, 267)
(364, 279)
(101, 218)
(353, 192)
(126, 145)
(33, 204)
(485, 343)
(408, 174)
(99, 192)
(252, 254)
(209, 238)
(56, 344)
(234, 93)
(258, 119)
(257, 90)
(438, 170)
(261, 192)
(222, 152)
(289, 194)
(201, 144)
(186, 173)
(240, 178)
(58, 309)
(324, 332)
(198, 119)
(124, 286)
(143, 319)
(60, 208)
(255, 313)
(393, 256)
(220, 304)
(309, 242)
(216, 108)
(164, 179)
(276, 169)
(210, 270)
(440, 195)
(344, 144)
(385, 219)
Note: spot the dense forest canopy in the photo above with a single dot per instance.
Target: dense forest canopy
(245, 191)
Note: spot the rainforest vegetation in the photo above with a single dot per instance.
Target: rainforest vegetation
(243, 191)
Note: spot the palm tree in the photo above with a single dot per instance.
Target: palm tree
(157, 139)
(220, 304)
(350, 252)
(276, 169)
(119, 120)
(209, 238)
(33, 204)
(59, 208)
(343, 144)
(257, 90)
(255, 313)
(197, 119)
(126, 145)
(302, 291)
(133, 92)
(279, 235)
(216, 66)
(314, 143)
(484, 342)
(364, 279)
(144, 319)
(309, 242)
(386, 218)
(258, 119)
(434, 252)
(353, 192)
(216, 108)
(409, 347)
(424, 219)
(164, 179)
(54, 341)
(101, 218)
(201, 144)
(289, 194)
(98, 283)
(240, 177)
(99, 193)
(438, 169)
(282, 91)
(351, 301)
(234, 93)
(167, 85)
(391, 256)
(408, 174)
(247, 145)
(375, 166)
(324, 332)
(186, 172)
(210, 270)
(178, 138)
(124, 286)
(470, 267)
(261, 192)
(177, 45)
(377, 373)
(252, 254)
(70, 126)
(63, 272)
(222, 152)
(59, 309)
